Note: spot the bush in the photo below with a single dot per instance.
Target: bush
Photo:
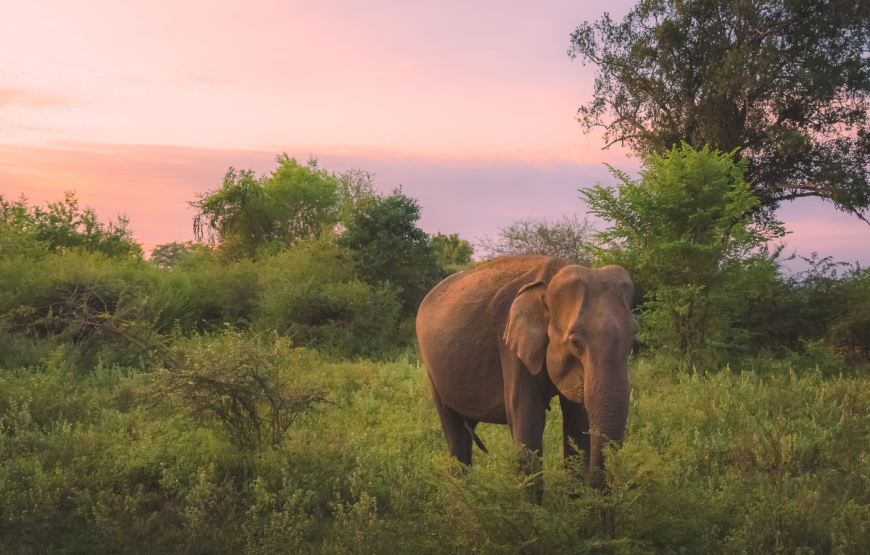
(311, 293)
(567, 237)
(248, 383)
(829, 303)
(685, 233)
(389, 247)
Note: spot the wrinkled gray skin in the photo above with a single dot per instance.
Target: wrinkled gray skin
(500, 342)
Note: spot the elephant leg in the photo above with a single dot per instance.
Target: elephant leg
(458, 436)
(527, 428)
(575, 429)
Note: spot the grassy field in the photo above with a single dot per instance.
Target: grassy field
(771, 459)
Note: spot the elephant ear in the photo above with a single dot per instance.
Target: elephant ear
(526, 332)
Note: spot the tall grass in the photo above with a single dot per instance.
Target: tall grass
(770, 460)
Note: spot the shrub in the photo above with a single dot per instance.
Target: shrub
(248, 383)
(567, 237)
(685, 231)
(382, 233)
(310, 293)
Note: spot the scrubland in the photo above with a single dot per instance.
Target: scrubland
(262, 392)
(771, 458)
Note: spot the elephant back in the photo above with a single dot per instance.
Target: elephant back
(474, 306)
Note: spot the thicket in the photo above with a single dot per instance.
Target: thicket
(317, 257)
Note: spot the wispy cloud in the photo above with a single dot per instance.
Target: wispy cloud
(32, 99)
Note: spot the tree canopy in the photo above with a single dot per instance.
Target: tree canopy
(682, 230)
(382, 233)
(450, 250)
(293, 202)
(60, 226)
(787, 83)
(567, 237)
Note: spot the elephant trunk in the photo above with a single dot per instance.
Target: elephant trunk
(606, 399)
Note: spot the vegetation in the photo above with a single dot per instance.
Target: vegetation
(293, 203)
(785, 83)
(260, 391)
(567, 237)
(451, 251)
(89, 286)
(61, 226)
(388, 246)
(110, 458)
(168, 255)
(684, 232)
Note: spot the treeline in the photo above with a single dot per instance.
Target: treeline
(330, 263)
(320, 258)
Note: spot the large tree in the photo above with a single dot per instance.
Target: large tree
(785, 82)
(382, 232)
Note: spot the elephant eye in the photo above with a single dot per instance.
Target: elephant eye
(575, 342)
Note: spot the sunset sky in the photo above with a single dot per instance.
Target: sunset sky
(468, 105)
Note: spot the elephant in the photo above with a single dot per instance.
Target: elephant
(499, 342)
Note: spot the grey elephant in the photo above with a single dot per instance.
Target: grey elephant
(501, 341)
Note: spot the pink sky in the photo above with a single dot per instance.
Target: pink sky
(469, 106)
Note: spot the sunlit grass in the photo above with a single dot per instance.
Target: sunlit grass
(714, 461)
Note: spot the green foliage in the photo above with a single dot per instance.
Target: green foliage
(30, 230)
(168, 254)
(162, 408)
(684, 233)
(826, 307)
(713, 461)
(97, 302)
(248, 383)
(355, 186)
(450, 250)
(784, 83)
(311, 293)
(294, 202)
(566, 238)
(388, 246)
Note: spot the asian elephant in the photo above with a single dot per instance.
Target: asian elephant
(501, 341)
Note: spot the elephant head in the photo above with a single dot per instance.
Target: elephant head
(579, 328)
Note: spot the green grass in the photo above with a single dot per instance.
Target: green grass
(773, 460)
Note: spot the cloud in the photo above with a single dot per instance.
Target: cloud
(32, 99)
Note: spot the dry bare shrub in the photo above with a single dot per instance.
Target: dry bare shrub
(248, 382)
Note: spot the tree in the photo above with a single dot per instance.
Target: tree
(294, 202)
(61, 226)
(388, 246)
(354, 186)
(683, 231)
(787, 83)
(567, 237)
(451, 250)
(167, 255)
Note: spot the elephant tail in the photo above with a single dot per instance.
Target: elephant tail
(470, 428)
